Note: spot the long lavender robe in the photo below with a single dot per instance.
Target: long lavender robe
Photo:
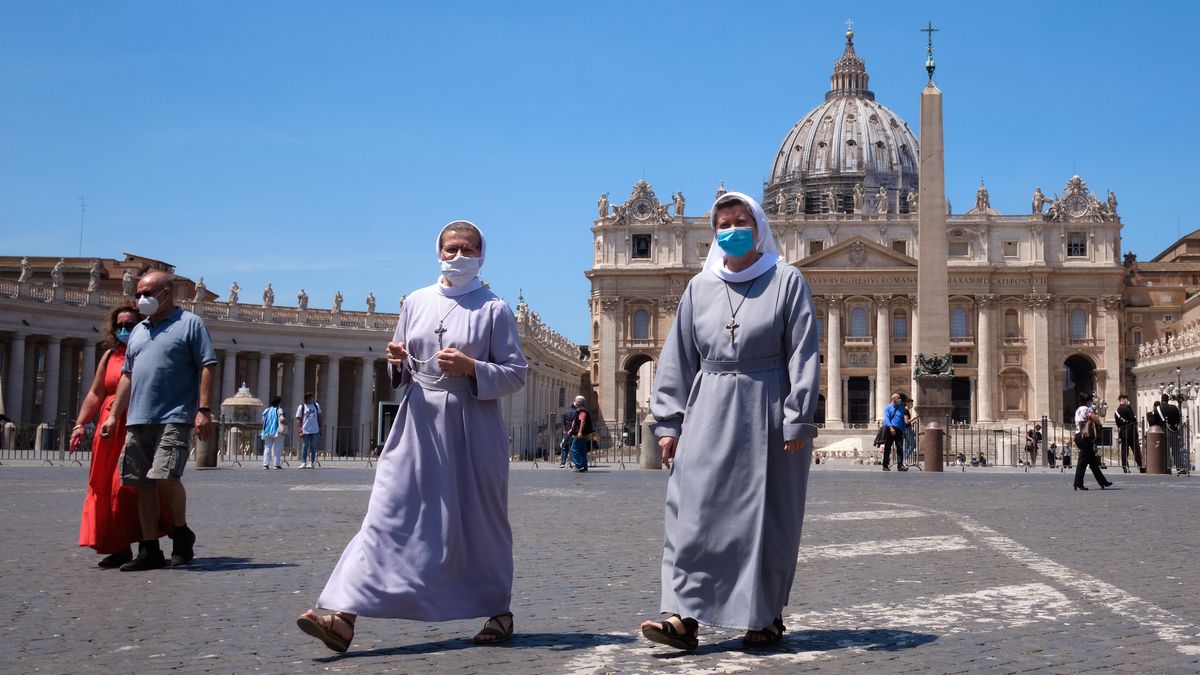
(735, 499)
(436, 544)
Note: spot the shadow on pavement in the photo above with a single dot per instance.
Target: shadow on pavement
(551, 641)
(874, 640)
(227, 564)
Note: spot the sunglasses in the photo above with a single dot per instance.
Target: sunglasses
(128, 325)
(146, 294)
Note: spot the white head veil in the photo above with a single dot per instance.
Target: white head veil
(765, 243)
(473, 284)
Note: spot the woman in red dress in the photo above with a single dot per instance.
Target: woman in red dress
(110, 510)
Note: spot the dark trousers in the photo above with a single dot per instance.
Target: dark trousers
(895, 441)
(1179, 455)
(1129, 441)
(1087, 458)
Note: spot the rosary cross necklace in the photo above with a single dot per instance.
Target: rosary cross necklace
(733, 325)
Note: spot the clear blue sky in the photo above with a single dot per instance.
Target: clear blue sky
(323, 144)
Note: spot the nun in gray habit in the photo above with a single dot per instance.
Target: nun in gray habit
(734, 399)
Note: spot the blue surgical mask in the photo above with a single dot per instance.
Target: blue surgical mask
(123, 334)
(736, 241)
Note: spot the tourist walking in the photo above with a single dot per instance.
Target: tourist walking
(564, 446)
(308, 426)
(167, 385)
(894, 416)
(1033, 443)
(1127, 431)
(1088, 424)
(1066, 454)
(910, 430)
(435, 544)
(581, 435)
(734, 399)
(109, 523)
(274, 422)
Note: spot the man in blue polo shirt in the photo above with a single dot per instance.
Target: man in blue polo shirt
(169, 364)
(893, 421)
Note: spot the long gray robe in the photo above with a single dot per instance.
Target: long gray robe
(735, 499)
(436, 544)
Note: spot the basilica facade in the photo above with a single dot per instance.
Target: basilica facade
(1036, 299)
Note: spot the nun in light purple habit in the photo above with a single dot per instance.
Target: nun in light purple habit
(435, 544)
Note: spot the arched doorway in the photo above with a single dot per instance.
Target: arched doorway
(1079, 377)
(639, 379)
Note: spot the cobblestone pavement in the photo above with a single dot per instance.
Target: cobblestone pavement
(989, 570)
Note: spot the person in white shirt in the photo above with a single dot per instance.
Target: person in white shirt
(1085, 415)
(274, 423)
(308, 425)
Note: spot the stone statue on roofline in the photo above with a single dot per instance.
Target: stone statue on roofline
(370, 303)
(602, 205)
(56, 273)
(881, 200)
(26, 272)
(1039, 201)
(859, 198)
(233, 293)
(201, 289)
(268, 295)
(127, 283)
(302, 299)
(337, 302)
(680, 203)
(94, 276)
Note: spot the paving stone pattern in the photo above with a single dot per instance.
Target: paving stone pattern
(958, 572)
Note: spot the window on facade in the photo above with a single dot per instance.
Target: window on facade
(1168, 318)
(1137, 337)
(641, 325)
(959, 359)
(815, 247)
(1077, 245)
(958, 323)
(1078, 324)
(959, 249)
(821, 327)
(1012, 396)
(562, 397)
(641, 246)
(596, 331)
(1011, 249)
(702, 250)
(900, 246)
(1012, 324)
(899, 324)
(899, 359)
(858, 322)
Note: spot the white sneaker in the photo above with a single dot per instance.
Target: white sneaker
(304, 465)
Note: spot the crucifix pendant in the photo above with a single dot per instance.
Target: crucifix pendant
(731, 326)
(440, 331)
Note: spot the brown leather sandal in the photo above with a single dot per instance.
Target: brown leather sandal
(665, 633)
(494, 631)
(766, 636)
(321, 627)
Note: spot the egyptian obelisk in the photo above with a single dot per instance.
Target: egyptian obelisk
(932, 369)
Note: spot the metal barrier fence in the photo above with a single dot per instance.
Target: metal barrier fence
(238, 443)
(46, 443)
(612, 444)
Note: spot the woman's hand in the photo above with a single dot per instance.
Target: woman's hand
(454, 362)
(108, 427)
(397, 354)
(667, 445)
(77, 436)
(792, 446)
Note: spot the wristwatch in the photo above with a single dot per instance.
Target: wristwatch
(206, 410)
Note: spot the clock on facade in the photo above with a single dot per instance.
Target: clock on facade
(641, 208)
(1076, 205)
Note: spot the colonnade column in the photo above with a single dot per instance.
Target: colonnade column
(986, 391)
(14, 399)
(87, 372)
(366, 408)
(50, 384)
(1037, 358)
(608, 318)
(833, 360)
(883, 355)
(1112, 350)
(228, 376)
(297, 393)
(915, 332)
(262, 388)
(329, 402)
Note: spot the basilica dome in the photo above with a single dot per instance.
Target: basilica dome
(849, 139)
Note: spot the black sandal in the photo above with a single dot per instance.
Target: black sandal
(770, 635)
(494, 632)
(666, 633)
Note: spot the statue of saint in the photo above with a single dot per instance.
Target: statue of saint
(233, 293)
(831, 205)
(370, 303)
(800, 199)
(26, 272)
(859, 199)
(127, 283)
(201, 290)
(56, 273)
(881, 200)
(268, 295)
(602, 205)
(680, 202)
(1039, 200)
(982, 201)
(337, 302)
(94, 277)
(302, 299)
(1112, 204)
(780, 203)
(911, 198)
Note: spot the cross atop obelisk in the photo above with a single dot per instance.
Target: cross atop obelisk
(930, 66)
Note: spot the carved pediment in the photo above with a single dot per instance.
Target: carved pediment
(857, 253)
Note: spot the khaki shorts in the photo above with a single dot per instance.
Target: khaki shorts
(154, 452)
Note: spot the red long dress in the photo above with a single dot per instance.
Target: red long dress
(110, 510)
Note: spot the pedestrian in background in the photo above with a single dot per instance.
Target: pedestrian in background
(910, 429)
(1088, 424)
(581, 435)
(564, 446)
(1033, 442)
(1127, 431)
(893, 420)
(274, 422)
(308, 425)
(167, 385)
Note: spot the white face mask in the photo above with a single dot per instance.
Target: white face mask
(147, 305)
(459, 270)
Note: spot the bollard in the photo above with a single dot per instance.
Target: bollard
(1156, 451)
(651, 454)
(206, 451)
